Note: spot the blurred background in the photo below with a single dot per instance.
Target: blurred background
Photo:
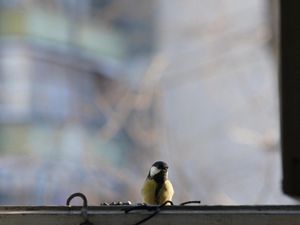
(93, 92)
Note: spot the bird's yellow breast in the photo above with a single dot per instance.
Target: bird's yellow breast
(164, 194)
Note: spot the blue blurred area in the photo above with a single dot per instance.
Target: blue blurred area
(63, 92)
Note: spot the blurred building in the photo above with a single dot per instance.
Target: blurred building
(68, 111)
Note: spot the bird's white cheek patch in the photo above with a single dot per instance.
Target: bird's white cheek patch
(153, 171)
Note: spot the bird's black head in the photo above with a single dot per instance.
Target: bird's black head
(161, 165)
(159, 171)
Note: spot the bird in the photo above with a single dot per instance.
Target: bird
(157, 188)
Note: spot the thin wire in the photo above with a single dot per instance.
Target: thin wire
(156, 209)
(190, 202)
(142, 207)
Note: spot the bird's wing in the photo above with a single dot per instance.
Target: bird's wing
(148, 192)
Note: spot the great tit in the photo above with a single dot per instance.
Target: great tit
(157, 189)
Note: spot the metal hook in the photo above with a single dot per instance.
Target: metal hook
(84, 209)
(78, 194)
